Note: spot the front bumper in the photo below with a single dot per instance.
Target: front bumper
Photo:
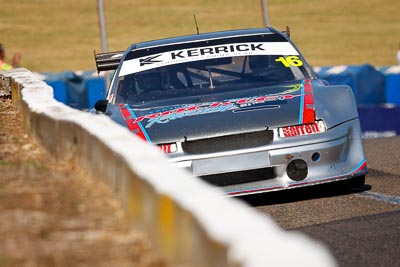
(335, 154)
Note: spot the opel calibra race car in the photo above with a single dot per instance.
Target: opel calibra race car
(241, 109)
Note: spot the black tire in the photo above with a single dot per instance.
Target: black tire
(356, 184)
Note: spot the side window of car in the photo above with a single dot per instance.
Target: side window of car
(125, 88)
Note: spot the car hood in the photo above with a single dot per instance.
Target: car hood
(230, 113)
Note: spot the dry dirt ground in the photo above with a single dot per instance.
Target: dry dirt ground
(52, 214)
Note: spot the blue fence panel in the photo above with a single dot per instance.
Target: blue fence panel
(59, 90)
(95, 88)
(368, 84)
(76, 86)
(392, 88)
(379, 121)
(79, 90)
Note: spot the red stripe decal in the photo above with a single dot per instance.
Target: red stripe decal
(308, 105)
(132, 125)
(362, 167)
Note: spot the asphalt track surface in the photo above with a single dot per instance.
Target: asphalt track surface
(361, 227)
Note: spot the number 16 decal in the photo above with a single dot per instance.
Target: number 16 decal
(288, 61)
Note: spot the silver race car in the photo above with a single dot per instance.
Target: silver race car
(241, 109)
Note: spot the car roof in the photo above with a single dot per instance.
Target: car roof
(203, 36)
(111, 60)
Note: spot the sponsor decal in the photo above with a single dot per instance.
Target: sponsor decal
(305, 129)
(376, 134)
(206, 108)
(209, 52)
(149, 60)
(290, 61)
(110, 97)
(292, 88)
(138, 124)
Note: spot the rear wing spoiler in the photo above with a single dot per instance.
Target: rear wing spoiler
(108, 60)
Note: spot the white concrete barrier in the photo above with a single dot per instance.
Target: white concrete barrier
(188, 221)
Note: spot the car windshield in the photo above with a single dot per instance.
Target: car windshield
(207, 70)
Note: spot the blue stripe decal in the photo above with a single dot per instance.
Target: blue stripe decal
(146, 135)
(301, 103)
(358, 166)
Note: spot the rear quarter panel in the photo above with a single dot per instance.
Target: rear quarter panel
(334, 104)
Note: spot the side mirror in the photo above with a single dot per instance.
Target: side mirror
(101, 105)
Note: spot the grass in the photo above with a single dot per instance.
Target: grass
(4, 163)
(58, 35)
(4, 261)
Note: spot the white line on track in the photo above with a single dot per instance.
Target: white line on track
(381, 197)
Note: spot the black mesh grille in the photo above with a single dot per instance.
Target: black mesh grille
(241, 177)
(228, 143)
